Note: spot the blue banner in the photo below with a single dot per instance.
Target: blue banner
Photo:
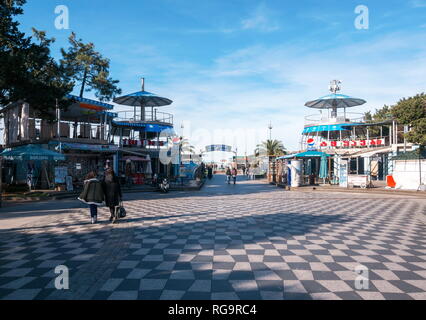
(331, 127)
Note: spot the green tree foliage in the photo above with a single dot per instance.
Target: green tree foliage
(186, 146)
(89, 68)
(27, 71)
(383, 114)
(270, 148)
(380, 115)
(412, 112)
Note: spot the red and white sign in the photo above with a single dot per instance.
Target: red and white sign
(142, 143)
(352, 143)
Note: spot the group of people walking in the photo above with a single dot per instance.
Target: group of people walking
(250, 173)
(231, 173)
(99, 192)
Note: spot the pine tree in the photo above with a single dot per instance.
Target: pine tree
(27, 71)
(89, 68)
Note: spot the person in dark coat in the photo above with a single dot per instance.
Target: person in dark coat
(210, 172)
(112, 190)
(93, 195)
(234, 173)
(228, 175)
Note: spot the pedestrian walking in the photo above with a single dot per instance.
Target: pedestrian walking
(93, 195)
(30, 173)
(113, 194)
(228, 175)
(253, 174)
(210, 172)
(128, 172)
(234, 173)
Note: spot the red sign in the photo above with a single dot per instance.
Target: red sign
(352, 143)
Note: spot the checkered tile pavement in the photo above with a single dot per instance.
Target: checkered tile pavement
(250, 241)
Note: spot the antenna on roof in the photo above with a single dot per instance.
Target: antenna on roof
(335, 86)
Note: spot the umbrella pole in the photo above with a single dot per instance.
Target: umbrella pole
(334, 110)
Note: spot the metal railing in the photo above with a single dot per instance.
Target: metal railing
(342, 117)
(147, 116)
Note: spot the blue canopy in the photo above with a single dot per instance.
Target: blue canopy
(147, 127)
(143, 99)
(307, 154)
(90, 101)
(335, 100)
(31, 152)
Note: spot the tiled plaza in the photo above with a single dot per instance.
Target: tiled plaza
(249, 241)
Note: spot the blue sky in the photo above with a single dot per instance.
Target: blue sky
(233, 66)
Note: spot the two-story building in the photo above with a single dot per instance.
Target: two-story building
(338, 146)
(81, 132)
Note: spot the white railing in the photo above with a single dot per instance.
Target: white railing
(342, 117)
(147, 116)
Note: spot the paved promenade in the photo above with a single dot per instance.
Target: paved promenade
(248, 241)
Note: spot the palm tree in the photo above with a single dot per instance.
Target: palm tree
(186, 146)
(270, 148)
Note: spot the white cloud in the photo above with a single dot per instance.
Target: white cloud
(261, 19)
(418, 3)
(232, 99)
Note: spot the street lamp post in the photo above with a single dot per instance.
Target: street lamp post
(180, 153)
(271, 164)
(270, 127)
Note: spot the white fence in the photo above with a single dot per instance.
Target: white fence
(407, 174)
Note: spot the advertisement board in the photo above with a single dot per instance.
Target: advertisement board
(60, 174)
(343, 173)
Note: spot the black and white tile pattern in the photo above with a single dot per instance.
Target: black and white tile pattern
(249, 241)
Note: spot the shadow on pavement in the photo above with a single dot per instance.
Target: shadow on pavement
(206, 233)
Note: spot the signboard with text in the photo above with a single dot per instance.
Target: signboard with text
(346, 143)
(343, 173)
